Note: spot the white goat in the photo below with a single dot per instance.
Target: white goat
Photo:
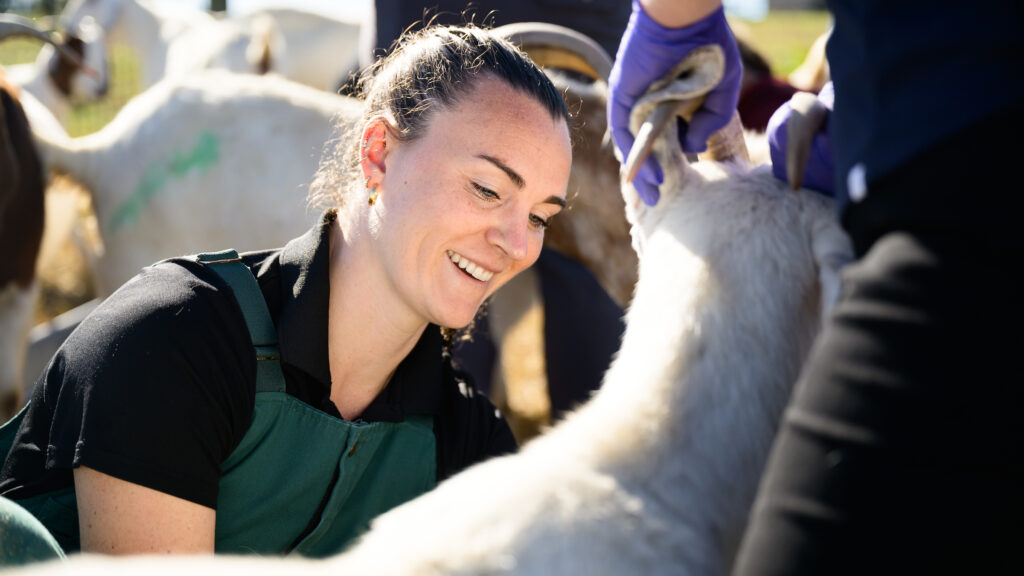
(209, 159)
(53, 81)
(656, 474)
(173, 40)
(320, 51)
(56, 76)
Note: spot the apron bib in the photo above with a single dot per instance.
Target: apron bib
(300, 481)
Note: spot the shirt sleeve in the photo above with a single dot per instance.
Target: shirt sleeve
(155, 387)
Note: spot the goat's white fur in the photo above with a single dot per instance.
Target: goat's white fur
(174, 40)
(320, 51)
(656, 474)
(307, 47)
(263, 137)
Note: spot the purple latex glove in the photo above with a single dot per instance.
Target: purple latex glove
(820, 172)
(647, 52)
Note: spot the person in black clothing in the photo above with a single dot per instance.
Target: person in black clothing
(198, 409)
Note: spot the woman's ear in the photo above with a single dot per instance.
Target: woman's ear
(373, 149)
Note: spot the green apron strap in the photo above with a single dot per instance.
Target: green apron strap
(228, 265)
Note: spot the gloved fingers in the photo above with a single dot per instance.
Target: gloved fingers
(712, 116)
(818, 174)
(618, 121)
(647, 185)
(650, 170)
(702, 125)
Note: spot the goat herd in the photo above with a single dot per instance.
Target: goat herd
(726, 282)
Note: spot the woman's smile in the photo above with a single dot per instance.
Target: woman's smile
(471, 268)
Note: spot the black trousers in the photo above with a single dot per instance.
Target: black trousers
(900, 451)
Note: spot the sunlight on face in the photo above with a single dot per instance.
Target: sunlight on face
(463, 209)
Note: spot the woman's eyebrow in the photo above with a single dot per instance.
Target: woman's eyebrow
(512, 174)
(560, 202)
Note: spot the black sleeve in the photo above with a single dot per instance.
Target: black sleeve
(471, 427)
(155, 387)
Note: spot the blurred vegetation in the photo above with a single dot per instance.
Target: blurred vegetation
(783, 38)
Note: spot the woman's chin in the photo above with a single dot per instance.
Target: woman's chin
(457, 319)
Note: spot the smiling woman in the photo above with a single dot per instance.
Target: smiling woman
(276, 401)
(468, 201)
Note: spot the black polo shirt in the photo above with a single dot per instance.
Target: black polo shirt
(157, 385)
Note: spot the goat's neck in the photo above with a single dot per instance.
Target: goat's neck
(42, 86)
(85, 160)
(141, 27)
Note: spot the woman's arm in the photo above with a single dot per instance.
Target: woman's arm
(119, 517)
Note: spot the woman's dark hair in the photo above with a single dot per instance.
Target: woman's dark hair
(427, 70)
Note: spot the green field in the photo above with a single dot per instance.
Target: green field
(783, 38)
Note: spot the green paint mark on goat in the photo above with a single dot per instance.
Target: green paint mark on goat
(201, 157)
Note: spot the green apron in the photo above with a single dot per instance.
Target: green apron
(300, 480)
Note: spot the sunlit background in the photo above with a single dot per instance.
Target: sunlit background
(782, 31)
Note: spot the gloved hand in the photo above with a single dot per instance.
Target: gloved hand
(820, 172)
(647, 52)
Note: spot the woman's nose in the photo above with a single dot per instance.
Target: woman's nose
(511, 236)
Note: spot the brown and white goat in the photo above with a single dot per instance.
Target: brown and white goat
(22, 208)
(22, 191)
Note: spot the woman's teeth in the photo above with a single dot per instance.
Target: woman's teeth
(470, 267)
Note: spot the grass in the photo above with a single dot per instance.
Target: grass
(784, 37)
(124, 70)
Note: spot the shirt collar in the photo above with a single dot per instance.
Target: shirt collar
(416, 386)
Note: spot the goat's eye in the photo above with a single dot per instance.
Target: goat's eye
(485, 192)
(539, 222)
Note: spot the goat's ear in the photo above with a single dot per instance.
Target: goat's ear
(373, 147)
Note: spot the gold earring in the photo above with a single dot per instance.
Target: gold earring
(373, 196)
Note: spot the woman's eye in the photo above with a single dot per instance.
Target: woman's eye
(486, 192)
(539, 222)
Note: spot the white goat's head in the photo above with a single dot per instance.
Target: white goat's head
(90, 21)
(653, 122)
(678, 95)
(88, 41)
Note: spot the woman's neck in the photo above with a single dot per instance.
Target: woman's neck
(368, 335)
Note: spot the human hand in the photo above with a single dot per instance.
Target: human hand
(647, 52)
(818, 175)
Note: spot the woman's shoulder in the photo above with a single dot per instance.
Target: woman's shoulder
(175, 297)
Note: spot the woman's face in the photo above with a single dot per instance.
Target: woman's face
(463, 208)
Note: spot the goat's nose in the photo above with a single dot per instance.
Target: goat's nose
(511, 237)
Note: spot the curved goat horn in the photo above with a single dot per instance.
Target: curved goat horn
(14, 25)
(680, 93)
(805, 119)
(556, 46)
